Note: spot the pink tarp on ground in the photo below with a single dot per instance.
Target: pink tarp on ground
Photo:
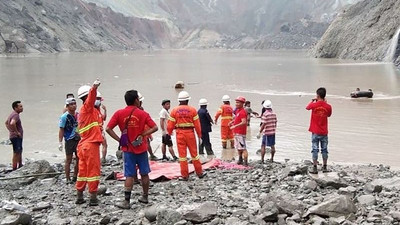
(160, 170)
(167, 171)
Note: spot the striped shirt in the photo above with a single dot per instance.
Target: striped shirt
(270, 120)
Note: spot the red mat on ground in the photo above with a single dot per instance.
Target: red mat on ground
(167, 171)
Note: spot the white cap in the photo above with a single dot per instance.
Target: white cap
(267, 104)
(203, 101)
(83, 91)
(183, 96)
(140, 96)
(69, 101)
(226, 98)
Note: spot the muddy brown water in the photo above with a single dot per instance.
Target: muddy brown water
(361, 130)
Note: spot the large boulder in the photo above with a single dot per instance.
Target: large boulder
(19, 219)
(269, 212)
(35, 167)
(389, 183)
(328, 180)
(199, 213)
(335, 207)
(285, 202)
(168, 216)
(366, 200)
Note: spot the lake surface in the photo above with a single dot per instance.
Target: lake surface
(360, 130)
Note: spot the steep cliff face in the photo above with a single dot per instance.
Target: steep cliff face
(236, 23)
(364, 31)
(96, 25)
(74, 25)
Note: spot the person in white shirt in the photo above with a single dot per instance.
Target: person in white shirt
(166, 138)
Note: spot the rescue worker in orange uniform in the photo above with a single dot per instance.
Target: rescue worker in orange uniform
(226, 113)
(89, 146)
(185, 120)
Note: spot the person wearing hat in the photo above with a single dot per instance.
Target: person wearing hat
(89, 146)
(206, 123)
(239, 128)
(166, 138)
(68, 131)
(226, 113)
(185, 120)
(267, 129)
(148, 138)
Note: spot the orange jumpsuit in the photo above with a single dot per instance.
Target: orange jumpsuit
(89, 146)
(226, 113)
(184, 119)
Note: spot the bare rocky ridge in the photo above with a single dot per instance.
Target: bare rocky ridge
(74, 25)
(363, 31)
(86, 25)
(277, 193)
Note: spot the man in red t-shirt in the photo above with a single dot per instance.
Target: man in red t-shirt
(321, 110)
(134, 120)
(239, 128)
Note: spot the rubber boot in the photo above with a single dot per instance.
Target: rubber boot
(79, 198)
(144, 199)
(209, 150)
(94, 201)
(240, 161)
(201, 149)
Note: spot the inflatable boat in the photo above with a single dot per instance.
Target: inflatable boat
(362, 94)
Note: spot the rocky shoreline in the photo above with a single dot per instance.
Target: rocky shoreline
(272, 193)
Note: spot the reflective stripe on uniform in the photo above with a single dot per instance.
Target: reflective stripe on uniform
(196, 158)
(182, 159)
(88, 179)
(172, 119)
(184, 125)
(196, 117)
(226, 117)
(88, 127)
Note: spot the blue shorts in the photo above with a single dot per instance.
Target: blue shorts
(268, 140)
(130, 162)
(17, 144)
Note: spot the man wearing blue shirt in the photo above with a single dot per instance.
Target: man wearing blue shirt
(68, 125)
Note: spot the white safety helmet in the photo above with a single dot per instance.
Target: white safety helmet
(183, 96)
(203, 101)
(83, 91)
(267, 104)
(98, 95)
(140, 96)
(226, 98)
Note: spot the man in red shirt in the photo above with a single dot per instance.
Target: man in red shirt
(134, 120)
(239, 128)
(321, 110)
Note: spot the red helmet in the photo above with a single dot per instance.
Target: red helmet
(241, 99)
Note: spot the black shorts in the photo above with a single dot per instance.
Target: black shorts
(17, 144)
(71, 145)
(166, 139)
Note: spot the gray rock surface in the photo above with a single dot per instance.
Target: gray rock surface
(366, 200)
(200, 213)
(363, 31)
(335, 207)
(99, 25)
(329, 180)
(251, 196)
